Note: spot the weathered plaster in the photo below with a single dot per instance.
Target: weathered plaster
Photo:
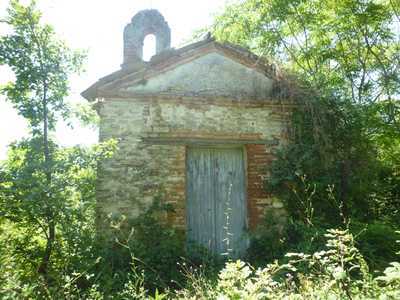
(209, 75)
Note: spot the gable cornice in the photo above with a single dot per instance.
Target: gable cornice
(172, 58)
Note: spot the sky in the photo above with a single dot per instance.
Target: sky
(97, 26)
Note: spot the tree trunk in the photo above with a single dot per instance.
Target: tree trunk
(43, 267)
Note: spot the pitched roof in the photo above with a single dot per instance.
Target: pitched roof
(172, 58)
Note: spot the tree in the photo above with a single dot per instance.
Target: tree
(349, 45)
(347, 54)
(34, 188)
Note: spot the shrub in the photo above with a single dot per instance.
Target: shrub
(273, 239)
(377, 243)
(337, 272)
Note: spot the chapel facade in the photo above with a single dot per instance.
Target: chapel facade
(197, 128)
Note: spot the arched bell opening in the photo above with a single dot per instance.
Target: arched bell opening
(144, 24)
(149, 47)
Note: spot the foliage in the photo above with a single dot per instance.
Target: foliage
(35, 191)
(345, 55)
(152, 247)
(376, 242)
(41, 64)
(86, 114)
(273, 238)
(23, 237)
(344, 137)
(392, 274)
(271, 243)
(337, 272)
(351, 46)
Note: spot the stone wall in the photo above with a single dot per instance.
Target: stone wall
(153, 135)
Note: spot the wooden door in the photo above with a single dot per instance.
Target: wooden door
(216, 201)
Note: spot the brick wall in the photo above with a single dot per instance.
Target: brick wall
(259, 158)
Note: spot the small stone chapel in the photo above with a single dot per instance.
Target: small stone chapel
(197, 128)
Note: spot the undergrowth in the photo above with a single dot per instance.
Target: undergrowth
(151, 262)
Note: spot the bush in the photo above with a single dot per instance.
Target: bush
(377, 243)
(337, 272)
(273, 239)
